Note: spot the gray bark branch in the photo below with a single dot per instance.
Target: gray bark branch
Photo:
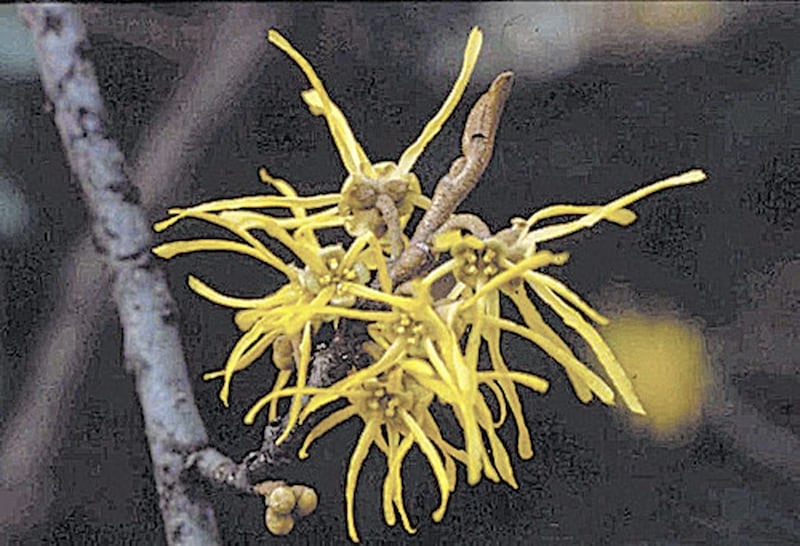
(232, 50)
(152, 345)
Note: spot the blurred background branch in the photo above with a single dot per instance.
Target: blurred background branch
(173, 37)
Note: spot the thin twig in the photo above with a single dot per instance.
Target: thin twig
(469, 222)
(477, 143)
(330, 363)
(390, 216)
(220, 469)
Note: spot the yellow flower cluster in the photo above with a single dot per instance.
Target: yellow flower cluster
(425, 343)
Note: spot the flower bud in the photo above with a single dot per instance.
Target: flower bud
(278, 524)
(306, 500)
(282, 500)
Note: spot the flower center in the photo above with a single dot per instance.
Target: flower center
(475, 266)
(385, 394)
(335, 274)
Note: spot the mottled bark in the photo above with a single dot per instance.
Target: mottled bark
(147, 312)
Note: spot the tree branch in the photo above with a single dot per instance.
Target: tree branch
(328, 366)
(234, 45)
(152, 345)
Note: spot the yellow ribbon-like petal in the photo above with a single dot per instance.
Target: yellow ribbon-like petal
(320, 103)
(611, 210)
(433, 127)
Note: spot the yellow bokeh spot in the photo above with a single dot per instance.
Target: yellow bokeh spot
(688, 22)
(667, 362)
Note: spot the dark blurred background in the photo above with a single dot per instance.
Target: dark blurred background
(607, 97)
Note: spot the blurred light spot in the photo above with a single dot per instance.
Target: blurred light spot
(17, 55)
(667, 361)
(687, 22)
(537, 40)
(548, 40)
(636, 31)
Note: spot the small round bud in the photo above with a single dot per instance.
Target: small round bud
(265, 489)
(306, 500)
(278, 524)
(282, 500)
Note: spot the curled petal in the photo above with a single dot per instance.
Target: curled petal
(492, 336)
(501, 401)
(175, 248)
(318, 101)
(250, 417)
(529, 380)
(565, 358)
(623, 217)
(613, 368)
(247, 202)
(248, 220)
(302, 372)
(280, 382)
(561, 230)
(564, 291)
(393, 484)
(245, 318)
(535, 322)
(328, 423)
(235, 362)
(433, 458)
(499, 452)
(431, 429)
(228, 301)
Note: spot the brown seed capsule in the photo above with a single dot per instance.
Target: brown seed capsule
(282, 500)
(306, 500)
(278, 524)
